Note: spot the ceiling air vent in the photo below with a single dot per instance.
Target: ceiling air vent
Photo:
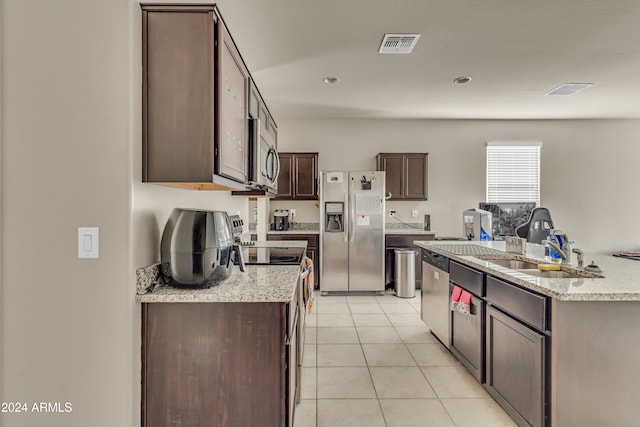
(569, 89)
(398, 43)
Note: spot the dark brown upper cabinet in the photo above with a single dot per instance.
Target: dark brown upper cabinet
(406, 175)
(194, 100)
(298, 179)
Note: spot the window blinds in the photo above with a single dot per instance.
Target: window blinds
(513, 172)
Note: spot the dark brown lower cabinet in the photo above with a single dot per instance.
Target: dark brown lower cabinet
(516, 368)
(467, 337)
(218, 364)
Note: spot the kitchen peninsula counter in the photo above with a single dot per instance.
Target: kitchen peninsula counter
(619, 283)
(593, 344)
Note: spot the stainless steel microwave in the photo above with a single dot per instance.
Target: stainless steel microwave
(264, 163)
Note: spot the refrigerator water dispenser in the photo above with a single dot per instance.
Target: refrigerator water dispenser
(334, 217)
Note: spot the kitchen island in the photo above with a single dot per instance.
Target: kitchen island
(586, 345)
(223, 356)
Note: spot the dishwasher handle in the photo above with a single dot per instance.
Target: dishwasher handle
(440, 262)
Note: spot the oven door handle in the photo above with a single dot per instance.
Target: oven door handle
(304, 274)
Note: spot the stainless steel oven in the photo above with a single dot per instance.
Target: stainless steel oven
(273, 253)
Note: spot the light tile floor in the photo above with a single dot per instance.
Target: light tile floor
(370, 361)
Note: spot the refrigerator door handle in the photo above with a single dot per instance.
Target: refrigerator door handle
(352, 219)
(347, 223)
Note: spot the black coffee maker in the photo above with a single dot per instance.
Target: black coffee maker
(281, 220)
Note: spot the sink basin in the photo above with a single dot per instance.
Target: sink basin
(531, 268)
(514, 264)
(561, 274)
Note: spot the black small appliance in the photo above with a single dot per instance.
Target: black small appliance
(281, 220)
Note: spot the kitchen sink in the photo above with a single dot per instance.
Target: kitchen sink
(555, 274)
(514, 264)
(531, 268)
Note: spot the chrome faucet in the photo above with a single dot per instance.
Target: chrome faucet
(557, 249)
(580, 257)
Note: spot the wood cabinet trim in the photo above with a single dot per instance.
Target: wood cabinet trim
(206, 158)
(405, 174)
(536, 416)
(527, 306)
(233, 373)
(292, 179)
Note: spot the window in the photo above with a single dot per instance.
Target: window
(513, 172)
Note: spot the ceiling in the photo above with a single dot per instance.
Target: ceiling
(514, 50)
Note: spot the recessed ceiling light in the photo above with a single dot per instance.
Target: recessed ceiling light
(569, 89)
(331, 80)
(462, 80)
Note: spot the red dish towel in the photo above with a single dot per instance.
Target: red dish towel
(455, 297)
(464, 305)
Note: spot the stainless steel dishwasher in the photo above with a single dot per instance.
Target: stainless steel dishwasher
(435, 295)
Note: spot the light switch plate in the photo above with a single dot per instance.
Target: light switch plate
(414, 213)
(88, 242)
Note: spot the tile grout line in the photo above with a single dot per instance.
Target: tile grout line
(394, 328)
(422, 371)
(373, 384)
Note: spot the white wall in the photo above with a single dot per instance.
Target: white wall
(587, 167)
(67, 324)
(71, 156)
(1, 191)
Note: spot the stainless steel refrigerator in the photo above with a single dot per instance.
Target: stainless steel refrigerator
(352, 231)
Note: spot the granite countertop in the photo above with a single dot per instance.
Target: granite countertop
(291, 232)
(394, 231)
(294, 228)
(314, 228)
(408, 231)
(259, 283)
(279, 243)
(619, 283)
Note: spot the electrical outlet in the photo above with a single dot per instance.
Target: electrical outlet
(293, 212)
(392, 213)
(414, 213)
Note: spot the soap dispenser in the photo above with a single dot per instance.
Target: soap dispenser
(554, 255)
(547, 249)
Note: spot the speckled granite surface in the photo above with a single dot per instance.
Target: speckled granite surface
(621, 281)
(314, 228)
(307, 231)
(294, 228)
(402, 225)
(259, 283)
(148, 278)
(408, 231)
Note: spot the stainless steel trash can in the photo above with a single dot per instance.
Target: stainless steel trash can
(405, 277)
